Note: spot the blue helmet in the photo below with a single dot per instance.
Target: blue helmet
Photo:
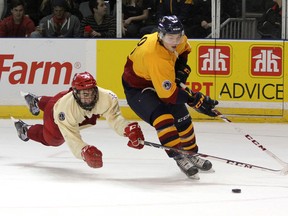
(170, 25)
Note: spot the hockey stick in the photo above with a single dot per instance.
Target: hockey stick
(254, 141)
(247, 136)
(283, 171)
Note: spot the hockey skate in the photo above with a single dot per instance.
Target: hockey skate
(187, 167)
(32, 102)
(21, 128)
(201, 164)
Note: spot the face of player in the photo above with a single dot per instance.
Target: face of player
(18, 13)
(171, 41)
(87, 96)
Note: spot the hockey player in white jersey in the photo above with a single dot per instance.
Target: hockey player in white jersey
(66, 112)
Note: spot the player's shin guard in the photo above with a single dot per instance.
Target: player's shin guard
(187, 137)
(167, 132)
(168, 136)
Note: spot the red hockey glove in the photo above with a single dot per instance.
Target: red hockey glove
(203, 104)
(135, 135)
(92, 156)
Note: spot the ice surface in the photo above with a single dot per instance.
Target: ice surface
(40, 180)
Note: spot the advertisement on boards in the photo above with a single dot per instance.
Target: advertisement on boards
(241, 74)
(42, 66)
(247, 77)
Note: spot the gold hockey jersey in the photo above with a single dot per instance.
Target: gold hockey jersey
(150, 64)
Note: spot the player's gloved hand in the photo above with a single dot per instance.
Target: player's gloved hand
(135, 135)
(182, 73)
(92, 156)
(203, 104)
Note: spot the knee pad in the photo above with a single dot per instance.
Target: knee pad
(184, 125)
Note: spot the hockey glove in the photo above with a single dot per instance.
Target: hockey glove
(203, 104)
(182, 73)
(135, 135)
(92, 156)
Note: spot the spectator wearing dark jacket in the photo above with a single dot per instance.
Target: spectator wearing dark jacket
(46, 8)
(269, 25)
(60, 23)
(134, 14)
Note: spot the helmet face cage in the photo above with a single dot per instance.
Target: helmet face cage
(81, 95)
(170, 25)
(85, 89)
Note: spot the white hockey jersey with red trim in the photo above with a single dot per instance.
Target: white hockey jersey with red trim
(68, 115)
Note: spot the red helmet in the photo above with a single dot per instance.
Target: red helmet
(83, 80)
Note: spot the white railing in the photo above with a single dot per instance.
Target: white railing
(238, 28)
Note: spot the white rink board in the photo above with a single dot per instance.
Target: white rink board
(18, 59)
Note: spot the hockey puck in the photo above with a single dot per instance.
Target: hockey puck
(236, 190)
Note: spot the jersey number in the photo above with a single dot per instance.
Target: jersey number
(142, 41)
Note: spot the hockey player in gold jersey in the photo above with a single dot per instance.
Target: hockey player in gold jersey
(151, 81)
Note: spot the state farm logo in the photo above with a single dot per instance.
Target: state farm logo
(266, 61)
(214, 60)
(20, 72)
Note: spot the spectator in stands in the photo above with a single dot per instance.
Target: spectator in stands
(196, 15)
(202, 21)
(32, 10)
(134, 13)
(46, 8)
(60, 23)
(180, 8)
(74, 8)
(100, 24)
(270, 25)
(257, 6)
(151, 24)
(17, 24)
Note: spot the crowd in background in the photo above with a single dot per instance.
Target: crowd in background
(97, 18)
